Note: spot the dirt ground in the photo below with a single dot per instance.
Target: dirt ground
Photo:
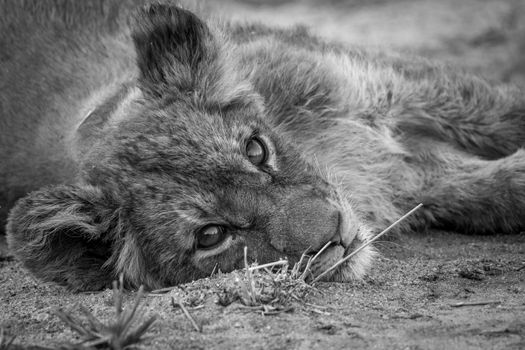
(411, 300)
(433, 290)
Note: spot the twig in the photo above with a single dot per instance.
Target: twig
(272, 264)
(267, 312)
(310, 261)
(368, 243)
(186, 313)
(162, 290)
(214, 269)
(251, 285)
(320, 312)
(118, 290)
(297, 267)
(475, 303)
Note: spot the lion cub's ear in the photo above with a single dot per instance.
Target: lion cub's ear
(173, 46)
(63, 234)
(178, 54)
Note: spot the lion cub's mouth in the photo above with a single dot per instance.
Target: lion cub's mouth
(352, 269)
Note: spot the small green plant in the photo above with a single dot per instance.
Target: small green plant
(116, 335)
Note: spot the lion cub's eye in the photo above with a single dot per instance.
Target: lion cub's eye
(210, 235)
(256, 151)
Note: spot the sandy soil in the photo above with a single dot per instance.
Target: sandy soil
(410, 301)
(412, 298)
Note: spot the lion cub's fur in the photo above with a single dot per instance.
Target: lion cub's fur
(125, 142)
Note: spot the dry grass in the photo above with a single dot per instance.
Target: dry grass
(116, 335)
(273, 287)
(270, 288)
(180, 305)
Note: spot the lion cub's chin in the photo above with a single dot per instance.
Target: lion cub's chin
(352, 269)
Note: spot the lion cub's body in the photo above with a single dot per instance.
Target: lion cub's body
(367, 134)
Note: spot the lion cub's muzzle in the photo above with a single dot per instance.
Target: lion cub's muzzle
(305, 222)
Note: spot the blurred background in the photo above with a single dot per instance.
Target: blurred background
(483, 36)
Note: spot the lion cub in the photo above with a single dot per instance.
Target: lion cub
(159, 150)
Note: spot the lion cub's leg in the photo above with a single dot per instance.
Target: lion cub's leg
(479, 196)
(467, 113)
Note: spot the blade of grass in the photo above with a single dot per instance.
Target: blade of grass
(72, 322)
(94, 324)
(214, 269)
(117, 297)
(272, 264)
(5, 341)
(251, 285)
(116, 334)
(162, 290)
(310, 261)
(297, 267)
(186, 313)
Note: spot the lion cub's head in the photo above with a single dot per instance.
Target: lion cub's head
(184, 173)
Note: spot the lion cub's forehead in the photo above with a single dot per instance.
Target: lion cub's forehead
(211, 132)
(188, 141)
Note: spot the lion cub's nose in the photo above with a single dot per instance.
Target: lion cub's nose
(304, 223)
